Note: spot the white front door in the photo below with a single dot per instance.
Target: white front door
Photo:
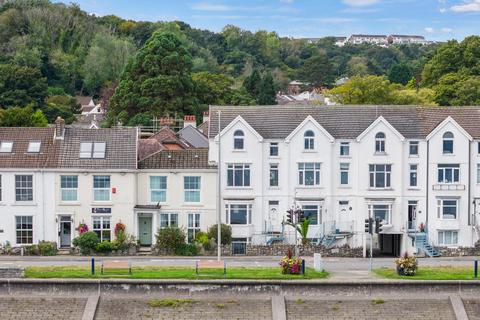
(65, 231)
(275, 217)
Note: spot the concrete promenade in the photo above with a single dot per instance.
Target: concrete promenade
(89, 299)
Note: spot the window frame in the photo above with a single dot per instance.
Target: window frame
(309, 140)
(448, 143)
(160, 190)
(8, 149)
(34, 143)
(441, 237)
(102, 189)
(380, 142)
(192, 191)
(25, 188)
(239, 137)
(413, 175)
(90, 150)
(454, 173)
(388, 207)
(413, 145)
(232, 169)
(68, 189)
(344, 146)
(248, 212)
(100, 231)
(21, 230)
(344, 172)
(441, 208)
(193, 225)
(311, 207)
(170, 221)
(274, 173)
(478, 173)
(316, 173)
(274, 146)
(387, 175)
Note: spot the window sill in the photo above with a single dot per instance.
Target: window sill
(238, 188)
(380, 189)
(274, 188)
(70, 203)
(345, 157)
(239, 150)
(448, 154)
(310, 151)
(99, 203)
(275, 157)
(413, 156)
(25, 204)
(380, 154)
(192, 204)
(309, 187)
(345, 186)
(414, 188)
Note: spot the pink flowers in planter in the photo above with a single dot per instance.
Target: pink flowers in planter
(291, 264)
(82, 228)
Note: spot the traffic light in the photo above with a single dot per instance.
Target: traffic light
(379, 225)
(369, 225)
(290, 216)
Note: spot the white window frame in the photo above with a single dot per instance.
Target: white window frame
(248, 208)
(387, 175)
(102, 228)
(24, 187)
(442, 237)
(274, 171)
(441, 205)
(413, 144)
(239, 136)
(274, 146)
(445, 139)
(21, 230)
(344, 149)
(245, 172)
(193, 225)
(316, 168)
(309, 140)
(389, 207)
(444, 168)
(170, 221)
(189, 192)
(69, 189)
(413, 174)
(380, 143)
(319, 208)
(102, 189)
(161, 191)
(345, 171)
(6, 146)
(92, 150)
(478, 173)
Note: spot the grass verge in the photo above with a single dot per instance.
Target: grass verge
(169, 273)
(430, 273)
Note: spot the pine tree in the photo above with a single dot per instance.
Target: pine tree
(267, 91)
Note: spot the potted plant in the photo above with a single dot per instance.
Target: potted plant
(407, 265)
(82, 228)
(291, 264)
(421, 227)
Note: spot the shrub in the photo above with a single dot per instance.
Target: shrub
(120, 231)
(186, 249)
(226, 233)
(47, 248)
(104, 247)
(406, 265)
(87, 242)
(32, 250)
(170, 238)
(202, 238)
(291, 264)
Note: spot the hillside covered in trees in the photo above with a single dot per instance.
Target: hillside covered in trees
(51, 52)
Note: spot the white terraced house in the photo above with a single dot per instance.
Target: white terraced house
(417, 168)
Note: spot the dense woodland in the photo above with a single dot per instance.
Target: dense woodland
(51, 52)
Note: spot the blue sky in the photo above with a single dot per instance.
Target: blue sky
(435, 19)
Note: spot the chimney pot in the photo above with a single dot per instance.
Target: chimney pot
(189, 120)
(59, 128)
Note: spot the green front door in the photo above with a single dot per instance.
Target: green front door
(145, 230)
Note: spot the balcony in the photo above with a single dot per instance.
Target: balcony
(448, 186)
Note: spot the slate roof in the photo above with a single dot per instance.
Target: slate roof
(177, 159)
(19, 158)
(120, 153)
(345, 121)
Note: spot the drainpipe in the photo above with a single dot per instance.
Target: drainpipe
(427, 190)
(470, 188)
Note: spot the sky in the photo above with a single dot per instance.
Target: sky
(437, 20)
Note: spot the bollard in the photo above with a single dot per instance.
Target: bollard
(303, 266)
(475, 269)
(93, 266)
(317, 262)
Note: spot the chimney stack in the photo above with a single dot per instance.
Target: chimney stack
(59, 128)
(189, 121)
(206, 116)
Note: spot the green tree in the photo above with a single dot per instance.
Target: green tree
(38, 119)
(317, 70)
(267, 95)
(252, 83)
(60, 105)
(213, 88)
(400, 73)
(157, 80)
(20, 86)
(105, 61)
(364, 90)
(22, 117)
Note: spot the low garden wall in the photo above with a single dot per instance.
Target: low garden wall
(460, 251)
(11, 272)
(305, 250)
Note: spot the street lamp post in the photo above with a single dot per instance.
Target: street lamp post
(219, 177)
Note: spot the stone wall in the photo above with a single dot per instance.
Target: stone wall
(305, 250)
(460, 251)
(11, 272)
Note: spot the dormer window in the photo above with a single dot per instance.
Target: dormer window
(309, 140)
(92, 150)
(380, 142)
(34, 147)
(238, 140)
(6, 146)
(448, 143)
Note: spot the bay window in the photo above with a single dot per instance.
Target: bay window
(238, 175)
(309, 173)
(447, 209)
(238, 213)
(448, 173)
(380, 175)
